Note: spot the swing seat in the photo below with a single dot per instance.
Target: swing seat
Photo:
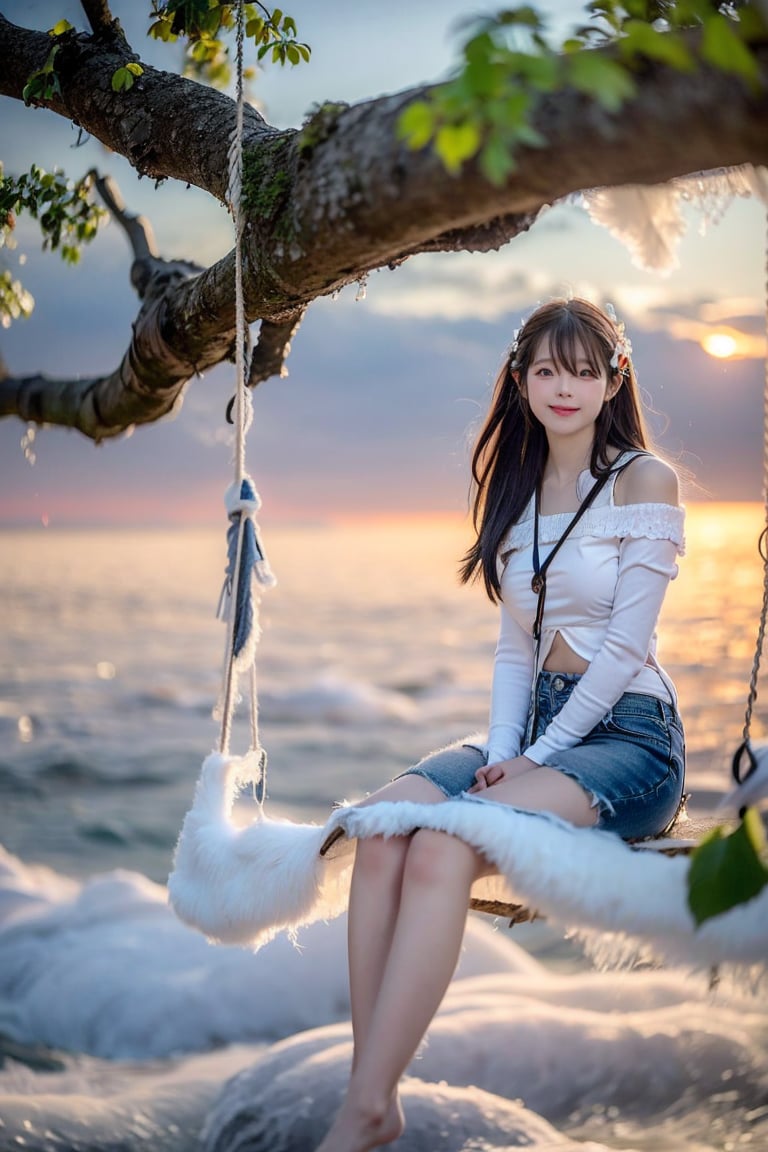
(679, 839)
(684, 834)
(243, 883)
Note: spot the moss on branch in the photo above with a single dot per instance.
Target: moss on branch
(320, 124)
(268, 175)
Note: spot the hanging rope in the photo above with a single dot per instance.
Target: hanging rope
(745, 748)
(247, 565)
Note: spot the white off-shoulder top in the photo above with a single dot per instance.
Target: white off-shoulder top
(605, 588)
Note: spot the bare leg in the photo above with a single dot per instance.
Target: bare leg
(439, 872)
(437, 878)
(545, 790)
(374, 902)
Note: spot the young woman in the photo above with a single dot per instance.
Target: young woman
(578, 528)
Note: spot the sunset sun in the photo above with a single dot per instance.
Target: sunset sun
(719, 344)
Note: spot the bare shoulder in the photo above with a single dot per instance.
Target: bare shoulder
(647, 480)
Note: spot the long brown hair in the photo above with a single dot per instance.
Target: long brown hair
(511, 449)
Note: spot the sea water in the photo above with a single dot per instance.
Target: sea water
(123, 1028)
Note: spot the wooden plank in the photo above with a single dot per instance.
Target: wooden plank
(684, 835)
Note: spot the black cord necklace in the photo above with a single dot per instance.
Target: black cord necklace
(539, 578)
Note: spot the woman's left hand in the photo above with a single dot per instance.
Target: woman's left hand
(503, 770)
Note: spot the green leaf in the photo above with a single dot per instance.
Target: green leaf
(641, 39)
(608, 10)
(727, 870)
(210, 24)
(60, 28)
(122, 80)
(721, 47)
(481, 78)
(542, 71)
(455, 143)
(293, 53)
(526, 16)
(527, 134)
(453, 101)
(161, 30)
(480, 50)
(690, 13)
(600, 78)
(49, 65)
(38, 87)
(510, 112)
(416, 124)
(277, 16)
(31, 90)
(496, 161)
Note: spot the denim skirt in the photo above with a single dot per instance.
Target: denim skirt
(632, 764)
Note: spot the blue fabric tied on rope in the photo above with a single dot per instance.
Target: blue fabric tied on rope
(251, 560)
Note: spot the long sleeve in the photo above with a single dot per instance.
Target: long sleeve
(510, 691)
(645, 568)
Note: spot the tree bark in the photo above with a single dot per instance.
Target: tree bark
(326, 204)
(98, 14)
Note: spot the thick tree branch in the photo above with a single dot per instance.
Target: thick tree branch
(149, 381)
(76, 403)
(146, 385)
(98, 14)
(165, 125)
(339, 198)
(361, 196)
(168, 126)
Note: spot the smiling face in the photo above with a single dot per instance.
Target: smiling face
(566, 399)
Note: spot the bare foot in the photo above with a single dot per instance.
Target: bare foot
(358, 1130)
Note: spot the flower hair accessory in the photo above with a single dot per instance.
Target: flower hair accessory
(623, 348)
(513, 363)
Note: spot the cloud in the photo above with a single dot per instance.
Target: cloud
(735, 325)
(375, 417)
(451, 286)
(714, 311)
(542, 263)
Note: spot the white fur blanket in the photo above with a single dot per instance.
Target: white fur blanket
(244, 885)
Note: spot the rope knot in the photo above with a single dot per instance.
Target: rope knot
(242, 497)
(246, 561)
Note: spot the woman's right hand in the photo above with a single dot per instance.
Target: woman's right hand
(484, 777)
(502, 770)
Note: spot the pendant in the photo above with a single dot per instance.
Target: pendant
(537, 583)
